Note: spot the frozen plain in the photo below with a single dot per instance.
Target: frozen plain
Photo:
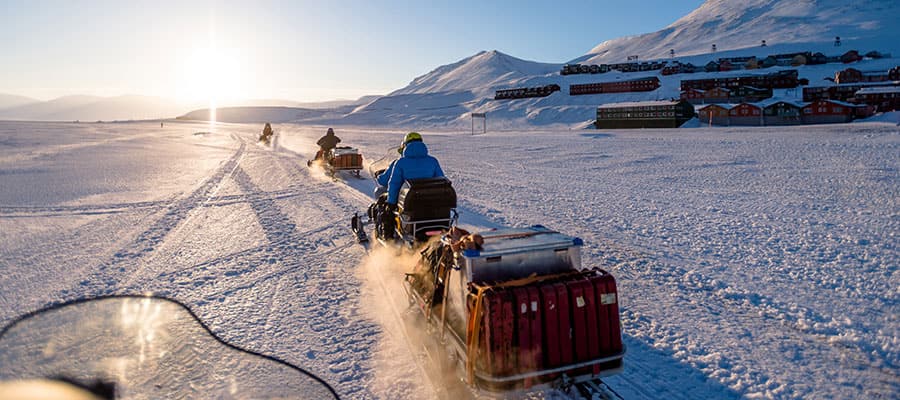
(752, 262)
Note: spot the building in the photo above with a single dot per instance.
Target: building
(645, 114)
(739, 94)
(853, 75)
(745, 114)
(632, 85)
(718, 95)
(786, 79)
(715, 114)
(694, 96)
(827, 112)
(884, 98)
(782, 113)
(850, 56)
(521, 93)
(743, 94)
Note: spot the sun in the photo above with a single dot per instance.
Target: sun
(211, 75)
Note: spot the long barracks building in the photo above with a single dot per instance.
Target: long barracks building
(644, 114)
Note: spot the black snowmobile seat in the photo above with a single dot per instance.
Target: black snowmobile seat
(426, 199)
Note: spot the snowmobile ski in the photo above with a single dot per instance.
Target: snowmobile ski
(358, 228)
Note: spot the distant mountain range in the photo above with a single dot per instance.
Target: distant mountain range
(445, 97)
(11, 100)
(89, 108)
(135, 107)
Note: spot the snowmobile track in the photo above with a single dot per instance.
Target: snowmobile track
(147, 242)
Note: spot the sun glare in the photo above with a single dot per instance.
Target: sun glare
(211, 75)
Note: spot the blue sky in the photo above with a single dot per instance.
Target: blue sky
(296, 50)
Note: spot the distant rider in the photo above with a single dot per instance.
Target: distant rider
(327, 143)
(267, 133)
(415, 163)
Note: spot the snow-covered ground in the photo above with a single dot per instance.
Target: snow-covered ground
(752, 262)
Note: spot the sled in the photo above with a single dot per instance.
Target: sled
(517, 311)
(342, 158)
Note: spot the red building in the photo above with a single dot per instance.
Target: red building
(827, 112)
(633, 85)
(715, 114)
(718, 95)
(694, 96)
(777, 80)
(745, 114)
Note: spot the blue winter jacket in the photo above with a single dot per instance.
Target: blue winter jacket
(385, 176)
(415, 164)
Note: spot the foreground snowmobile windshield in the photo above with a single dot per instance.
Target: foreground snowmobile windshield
(147, 348)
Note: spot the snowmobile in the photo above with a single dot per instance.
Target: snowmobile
(266, 136)
(426, 208)
(341, 158)
(138, 347)
(515, 310)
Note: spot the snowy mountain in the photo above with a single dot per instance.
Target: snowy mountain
(731, 24)
(279, 111)
(480, 73)
(445, 97)
(255, 114)
(11, 100)
(80, 107)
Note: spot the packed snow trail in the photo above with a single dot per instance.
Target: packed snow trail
(724, 243)
(257, 249)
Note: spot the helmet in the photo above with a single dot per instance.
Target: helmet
(410, 137)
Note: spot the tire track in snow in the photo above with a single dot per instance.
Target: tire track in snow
(307, 273)
(106, 280)
(53, 211)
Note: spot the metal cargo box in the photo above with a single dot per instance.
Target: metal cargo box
(515, 253)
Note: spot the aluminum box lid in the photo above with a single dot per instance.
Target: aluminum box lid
(517, 240)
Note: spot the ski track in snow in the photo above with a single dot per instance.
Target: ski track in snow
(754, 262)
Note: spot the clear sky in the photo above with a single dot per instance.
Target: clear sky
(295, 50)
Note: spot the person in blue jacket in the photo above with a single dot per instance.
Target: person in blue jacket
(415, 163)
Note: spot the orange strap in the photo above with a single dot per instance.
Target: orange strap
(472, 334)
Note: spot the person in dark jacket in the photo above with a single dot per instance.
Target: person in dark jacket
(328, 142)
(267, 133)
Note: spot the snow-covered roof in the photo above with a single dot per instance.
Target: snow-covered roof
(879, 89)
(726, 106)
(640, 104)
(769, 102)
(838, 102)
